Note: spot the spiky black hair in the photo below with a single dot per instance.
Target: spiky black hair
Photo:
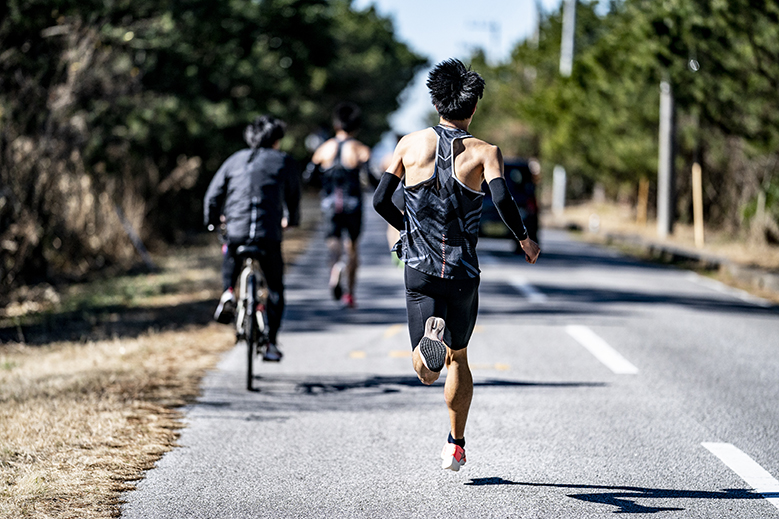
(454, 89)
(347, 117)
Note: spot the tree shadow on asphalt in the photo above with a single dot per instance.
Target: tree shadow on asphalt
(578, 259)
(624, 498)
(570, 299)
(323, 385)
(319, 313)
(325, 393)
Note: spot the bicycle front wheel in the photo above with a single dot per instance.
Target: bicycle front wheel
(251, 330)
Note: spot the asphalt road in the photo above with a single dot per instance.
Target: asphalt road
(603, 385)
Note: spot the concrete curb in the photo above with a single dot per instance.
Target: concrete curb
(755, 277)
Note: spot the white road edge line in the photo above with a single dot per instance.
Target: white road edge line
(529, 291)
(601, 350)
(725, 289)
(748, 469)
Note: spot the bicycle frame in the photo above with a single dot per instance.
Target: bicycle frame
(251, 319)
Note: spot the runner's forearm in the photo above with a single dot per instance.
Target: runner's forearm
(507, 208)
(382, 201)
(292, 197)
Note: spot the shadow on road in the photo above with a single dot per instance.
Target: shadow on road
(290, 393)
(624, 498)
(589, 296)
(579, 257)
(339, 385)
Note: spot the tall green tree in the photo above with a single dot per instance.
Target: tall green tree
(115, 114)
(722, 60)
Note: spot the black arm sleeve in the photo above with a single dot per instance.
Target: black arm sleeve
(382, 201)
(312, 175)
(292, 192)
(214, 199)
(507, 208)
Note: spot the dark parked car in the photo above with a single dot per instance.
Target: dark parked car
(522, 186)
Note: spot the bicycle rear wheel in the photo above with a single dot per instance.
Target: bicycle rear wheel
(251, 331)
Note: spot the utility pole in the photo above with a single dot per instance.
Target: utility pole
(566, 45)
(558, 190)
(493, 27)
(537, 31)
(665, 180)
(566, 66)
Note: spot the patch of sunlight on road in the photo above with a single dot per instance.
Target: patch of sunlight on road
(393, 330)
(497, 367)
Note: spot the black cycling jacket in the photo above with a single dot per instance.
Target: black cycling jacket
(252, 195)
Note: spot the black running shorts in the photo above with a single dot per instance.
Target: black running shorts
(456, 301)
(349, 222)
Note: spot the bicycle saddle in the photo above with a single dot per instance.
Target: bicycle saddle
(248, 250)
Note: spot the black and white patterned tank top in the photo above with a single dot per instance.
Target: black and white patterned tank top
(442, 218)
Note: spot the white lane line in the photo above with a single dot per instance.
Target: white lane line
(529, 291)
(725, 289)
(753, 474)
(601, 350)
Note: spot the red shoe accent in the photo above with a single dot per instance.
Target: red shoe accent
(453, 457)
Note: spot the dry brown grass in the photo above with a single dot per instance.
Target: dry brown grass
(620, 219)
(80, 421)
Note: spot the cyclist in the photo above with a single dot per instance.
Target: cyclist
(444, 168)
(249, 192)
(339, 165)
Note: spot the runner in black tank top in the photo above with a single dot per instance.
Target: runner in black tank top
(341, 197)
(442, 218)
(439, 230)
(341, 190)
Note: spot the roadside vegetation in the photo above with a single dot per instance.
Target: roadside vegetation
(601, 122)
(614, 225)
(93, 395)
(114, 116)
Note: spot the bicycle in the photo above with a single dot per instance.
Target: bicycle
(251, 318)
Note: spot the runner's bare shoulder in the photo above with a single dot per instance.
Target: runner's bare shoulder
(325, 153)
(361, 151)
(417, 150)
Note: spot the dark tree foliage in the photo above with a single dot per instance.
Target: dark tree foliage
(116, 113)
(722, 61)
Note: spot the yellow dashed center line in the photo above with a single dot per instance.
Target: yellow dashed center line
(399, 354)
(356, 354)
(393, 330)
(497, 366)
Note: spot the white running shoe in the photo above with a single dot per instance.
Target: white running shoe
(225, 311)
(432, 350)
(335, 280)
(453, 457)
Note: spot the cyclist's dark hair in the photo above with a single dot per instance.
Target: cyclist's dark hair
(454, 89)
(347, 117)
(263, 132)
